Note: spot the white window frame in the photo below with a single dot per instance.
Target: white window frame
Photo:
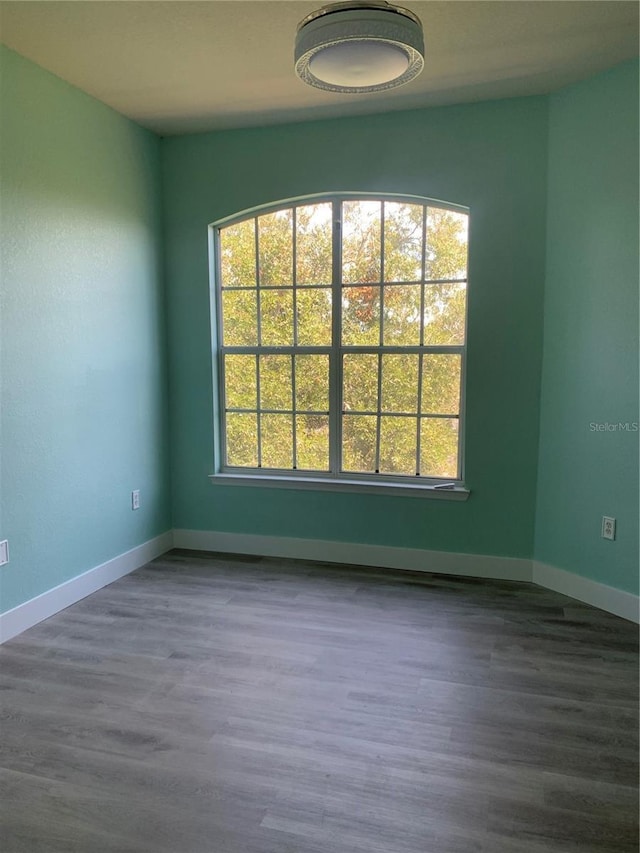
(334, 479)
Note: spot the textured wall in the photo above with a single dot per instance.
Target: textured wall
(489, 156)
(590, 373)
(83, 346)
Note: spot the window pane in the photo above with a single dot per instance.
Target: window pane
(359, 443)
(277, 282)
(441, 384)
(444, 314)
(276, 317)
(276, 435)
(240, 382)
(275, 241)
(314, 252)
(238, 254)
(399, 383)
(403, 241)
(398, 445)
(314, 317)
(312, 383)
(446, 255)
(401, 322)
(239, 318)
(360, 316)
(312, 442)
(439, 447)
(360, 383)
(361, 245)
(275, 382)
(242, 440)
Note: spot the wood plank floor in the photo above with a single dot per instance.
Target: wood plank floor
(212, 704)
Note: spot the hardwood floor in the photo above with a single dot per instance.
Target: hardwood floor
(212, 704)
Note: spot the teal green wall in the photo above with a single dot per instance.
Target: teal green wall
(590, 372)
(83, 345)
(489, 156)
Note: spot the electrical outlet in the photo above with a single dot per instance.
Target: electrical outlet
(135, 499)
(608, 527)
(4, 552)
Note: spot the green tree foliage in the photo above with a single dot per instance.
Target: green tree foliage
(388, 250)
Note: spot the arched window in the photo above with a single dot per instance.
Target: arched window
(340, 327)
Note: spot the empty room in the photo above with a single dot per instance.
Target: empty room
(319, 427)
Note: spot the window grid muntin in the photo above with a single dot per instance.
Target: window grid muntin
(258, 422)
(294, 412)
(337, 351)
(382, 265)
(378, 418)
(294, 279)
(419, 416)
(281, 287)
(444, 416)
(294, 404)
(335, 367)
(420, 378)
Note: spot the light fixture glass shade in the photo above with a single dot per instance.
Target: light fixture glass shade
(359, 63)
(359, 47)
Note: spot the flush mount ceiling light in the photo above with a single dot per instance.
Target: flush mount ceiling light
(359, 47)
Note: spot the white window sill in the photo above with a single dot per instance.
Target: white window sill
(325, 484)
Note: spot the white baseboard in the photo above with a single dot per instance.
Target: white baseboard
(353, 553)
(607, 598)
(26, 615)
(616, 601)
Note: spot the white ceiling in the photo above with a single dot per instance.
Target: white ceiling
(180, 67)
